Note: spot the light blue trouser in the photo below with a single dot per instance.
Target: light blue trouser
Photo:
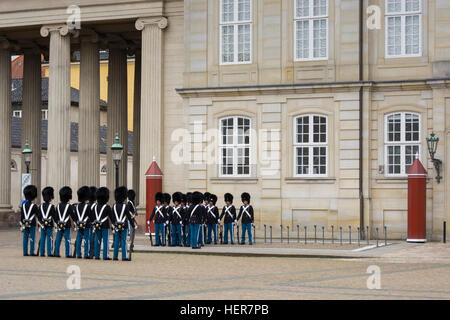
(66, 235)
(159, 228)
(248, 227)
(193, 233)
(120, 237)
(176, 234)
(201, 235)
(228, 227)
(100, 235)
(82, 234)
(29, 233)
(188, 235)
(212, 227)
(46, 235)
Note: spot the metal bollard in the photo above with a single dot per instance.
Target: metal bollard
(350, 234)
(237, 230)
(305, 236)
(323, 235)
(288, 233)
(367, 235)
(270, 234)
(385, 235)
(281, 233)
(340, 235)
(359, 236)
(254, 234)
(265, 238)
(315, 234)
(298, 234)
(377, 235)
(332, 234)
(444, 237)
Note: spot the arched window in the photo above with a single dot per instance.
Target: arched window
(13, 165)
(235, 146)
(311, 145)
(402, 141)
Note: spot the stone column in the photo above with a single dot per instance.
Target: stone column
(117, 113)
(58, 164)
(31, 114)
(5, 130)
(137, 123)
(151, 96)
(89, 114)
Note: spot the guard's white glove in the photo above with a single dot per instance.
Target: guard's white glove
(235, 221)
(148, 222)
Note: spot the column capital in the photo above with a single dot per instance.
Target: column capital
(63, 29)
(161, 22)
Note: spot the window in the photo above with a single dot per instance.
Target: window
(403, 28)
(311, 146)
(17, 113)
(402, 142)
(311, 30)
(235, 31)
(44, 114)
(235, 146)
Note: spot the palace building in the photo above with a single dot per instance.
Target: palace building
(317, 108)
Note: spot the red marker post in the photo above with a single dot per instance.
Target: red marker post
(153, 184)
(417, 202)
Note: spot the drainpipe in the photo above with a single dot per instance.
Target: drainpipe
(361, 96)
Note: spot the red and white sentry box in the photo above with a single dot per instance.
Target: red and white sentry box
(417, 202)
(153, 184)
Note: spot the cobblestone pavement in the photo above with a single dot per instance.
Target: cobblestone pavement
(178, 276)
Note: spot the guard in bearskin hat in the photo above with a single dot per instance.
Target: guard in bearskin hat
(132, 226)
(92, 204)
(82, 217)
(102, 214)
(212, 218)
(187, 219)
(168, 212)
(160, 219)
(184, 218)
(246, 212)
(64, 214)
(196, 215)
(120, 218)
(28, 213)
(176, 219)
(229, 212)
(46, 218)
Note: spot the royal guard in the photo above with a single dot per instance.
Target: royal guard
(246, 212)
(46, 218)
(132, 226)
(92, 204)
(160, 219)
(82, 220)
(176, 219)
(102, 215)
(28, 214)
(187, 219)
(168, 212)
(183, 218)
(212, 218)
(229, 212)
(64, 213)
(196, 213)
(120, 218)
(202, 233)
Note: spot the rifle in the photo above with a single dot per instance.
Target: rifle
(130, 252)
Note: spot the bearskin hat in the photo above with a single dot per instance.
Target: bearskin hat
(159, 197)
(65, 194)
(48, 194)
(83, 194)
(189, 197)
(120, 194)
(197, 198)
(228, 197)
(183, 198)
(167, 198)
(131, 195)
(177, 197)
(92, 196)
(213, 198)
(206, 196)
(245, 197)
(30, 192)
(102, 195)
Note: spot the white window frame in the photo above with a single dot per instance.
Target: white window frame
(235, 146)
(44, 114)
(310, 145)
(402, 14)
(17, 113)
(402, 143)
(235, 23)
(311, 19)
